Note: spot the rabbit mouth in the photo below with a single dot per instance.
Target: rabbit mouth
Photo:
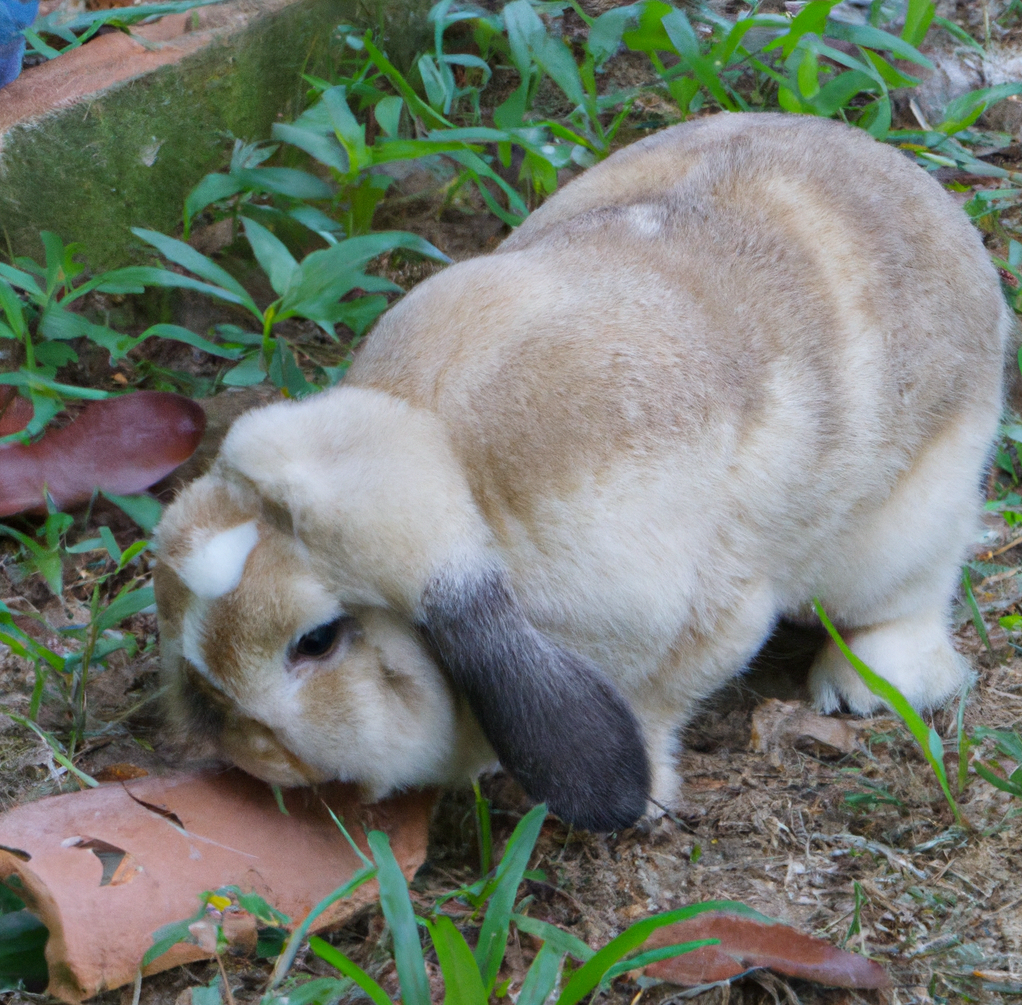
(254, 748)
(210, 717)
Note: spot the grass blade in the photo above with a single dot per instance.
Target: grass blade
(563, 942)
(485, 834)
(589, 975)
(996, 781)
(542, 976)
(977, 617)
(51, 741)
(463, 984)
(397, 909)
(286, 958)
(655, 955)
(493, 935)
(928, 739)
(184, 255)
(350, 969)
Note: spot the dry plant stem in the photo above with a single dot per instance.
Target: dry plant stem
(1013, 543)
(79, 697)
(228, 993)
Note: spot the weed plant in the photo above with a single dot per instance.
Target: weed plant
(62, 679)
(565, 970)
(37, 325)
(310, 289)
(1007, 743)
(75, 28)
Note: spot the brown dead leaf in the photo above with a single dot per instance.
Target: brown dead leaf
(120, 772)
(778, 724)
(105, 868)
(120, 445)
(747, 943)
(15, 411)
(204, 931)
(240, 930)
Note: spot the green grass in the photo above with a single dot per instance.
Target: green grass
(926, 736)
(470, 975)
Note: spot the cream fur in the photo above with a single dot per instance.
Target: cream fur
(748, 361)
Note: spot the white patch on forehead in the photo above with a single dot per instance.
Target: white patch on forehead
(214, 566)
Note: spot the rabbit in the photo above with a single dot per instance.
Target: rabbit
(568, 488)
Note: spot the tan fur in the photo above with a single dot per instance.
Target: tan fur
(748, 361)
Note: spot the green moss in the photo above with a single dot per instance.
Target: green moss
(127, 157)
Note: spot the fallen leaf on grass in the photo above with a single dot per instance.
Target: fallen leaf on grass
(777, 724)
(747, 943)
(15, 412)
(120, 772)
(119, 445)
(103, 869)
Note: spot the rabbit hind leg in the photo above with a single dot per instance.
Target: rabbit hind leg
(890, 581)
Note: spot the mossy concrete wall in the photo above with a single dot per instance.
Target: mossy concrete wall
(126, 156)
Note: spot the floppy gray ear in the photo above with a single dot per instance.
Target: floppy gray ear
(556, 721)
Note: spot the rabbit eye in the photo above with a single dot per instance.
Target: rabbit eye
(322, 639)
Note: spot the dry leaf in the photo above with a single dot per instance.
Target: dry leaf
(120, 445)
(777, 724)
(15, 411)
(240, 930)
(105, 868)
(747, 943)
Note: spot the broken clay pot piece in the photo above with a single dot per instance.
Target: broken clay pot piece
(103, 869)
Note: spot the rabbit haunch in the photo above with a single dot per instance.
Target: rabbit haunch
(568, 488)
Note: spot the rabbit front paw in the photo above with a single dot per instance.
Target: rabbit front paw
(912, 653)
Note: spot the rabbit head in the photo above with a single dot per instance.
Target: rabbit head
(330, 608)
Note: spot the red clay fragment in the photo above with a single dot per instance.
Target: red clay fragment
(120, 445)
(230, 833)
(746, 943)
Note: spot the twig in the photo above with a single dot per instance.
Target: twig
(1003, 694)
(228, 993)
(987, 555)
(898, 861)
(997, 577)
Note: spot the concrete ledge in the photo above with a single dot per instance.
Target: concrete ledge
(113, 134)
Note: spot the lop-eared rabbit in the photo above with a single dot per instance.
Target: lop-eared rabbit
(568, 488)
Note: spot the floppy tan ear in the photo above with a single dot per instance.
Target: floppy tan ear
(555, 720)
(373, 489)
(368, 483)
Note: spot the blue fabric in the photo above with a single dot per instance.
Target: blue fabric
(14, 15)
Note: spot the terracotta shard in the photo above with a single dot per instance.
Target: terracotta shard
(120, 445)
(747, 943)
(103, 869)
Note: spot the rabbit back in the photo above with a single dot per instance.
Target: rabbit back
(715, 355)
